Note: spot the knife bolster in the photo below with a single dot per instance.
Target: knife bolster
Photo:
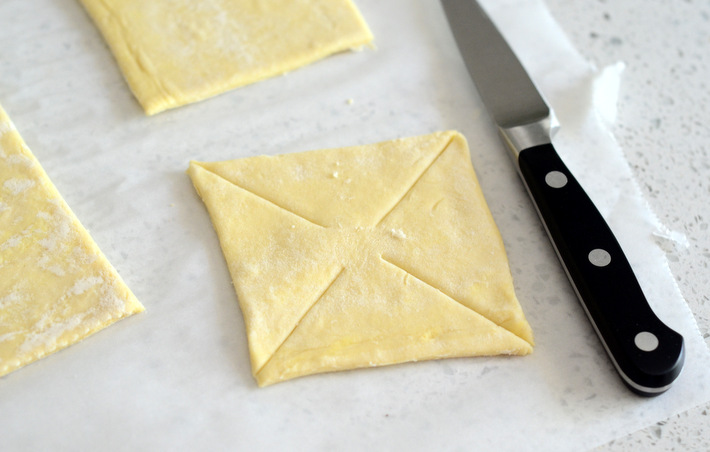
(525, 136)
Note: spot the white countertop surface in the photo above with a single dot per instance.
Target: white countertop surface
(177, 375)
(661, 126)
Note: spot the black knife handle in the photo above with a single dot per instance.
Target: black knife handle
(647, 354)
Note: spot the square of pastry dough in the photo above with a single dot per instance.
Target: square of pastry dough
(56, 287)
(174, 52)
(363, 256)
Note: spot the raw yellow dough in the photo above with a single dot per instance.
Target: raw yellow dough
(174, 52)
(363, 256)
(56, 287)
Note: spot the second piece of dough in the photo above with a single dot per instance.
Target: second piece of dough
(174, 52)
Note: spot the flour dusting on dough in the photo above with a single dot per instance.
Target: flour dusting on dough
(59, 231)
(6, 127)
(19, 159)
(10, 299)
(84, 284)
(17, 186)
(47, 332)
(13, 241)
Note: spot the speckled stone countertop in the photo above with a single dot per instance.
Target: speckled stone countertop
(663, 106)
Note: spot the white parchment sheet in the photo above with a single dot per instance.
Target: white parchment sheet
(177, 377)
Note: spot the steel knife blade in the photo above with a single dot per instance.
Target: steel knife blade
(647, 354)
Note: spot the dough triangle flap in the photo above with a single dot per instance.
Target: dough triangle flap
(280, 263)
(352, 186)
(445, 219)
(393, 318)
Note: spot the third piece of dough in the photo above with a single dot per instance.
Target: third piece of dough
(56, 286)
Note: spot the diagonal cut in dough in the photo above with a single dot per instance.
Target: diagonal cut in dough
(175, 52)
(363, 256)
(56, 287)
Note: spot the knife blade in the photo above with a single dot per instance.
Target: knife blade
(647, 354)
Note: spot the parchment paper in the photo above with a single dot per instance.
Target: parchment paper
(177, 377)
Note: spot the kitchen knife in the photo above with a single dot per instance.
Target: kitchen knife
(647, 354)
